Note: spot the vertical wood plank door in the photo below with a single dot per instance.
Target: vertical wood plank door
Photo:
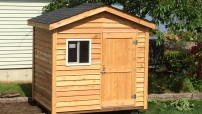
(118, 82)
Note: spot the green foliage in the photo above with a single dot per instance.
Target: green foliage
(174, 14)
(164, 107)
(182, 104)
(185, 35)
(187, 85)
(197, 83)
(177, 61)
(165, 82)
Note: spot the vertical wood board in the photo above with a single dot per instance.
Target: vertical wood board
(54, 53)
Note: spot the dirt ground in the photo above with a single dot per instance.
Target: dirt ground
(32, 108)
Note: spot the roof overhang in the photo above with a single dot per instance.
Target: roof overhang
(91, 13)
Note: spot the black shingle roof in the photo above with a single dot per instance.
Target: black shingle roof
(63, 13)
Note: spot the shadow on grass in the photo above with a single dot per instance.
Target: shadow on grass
(26, 88)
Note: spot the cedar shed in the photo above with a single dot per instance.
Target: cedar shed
(90, 58)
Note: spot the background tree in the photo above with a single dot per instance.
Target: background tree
(174, 14)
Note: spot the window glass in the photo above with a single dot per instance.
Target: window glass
(72, 51)
(84, 52)
(78, 52)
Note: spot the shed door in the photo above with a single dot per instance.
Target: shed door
(118, 83)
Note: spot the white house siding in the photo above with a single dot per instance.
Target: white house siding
(16, 38)
(15, 34)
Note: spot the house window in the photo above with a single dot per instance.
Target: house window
(78, 52)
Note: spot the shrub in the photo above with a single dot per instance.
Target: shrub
(160, 82)
(177, 61)
(196, 68)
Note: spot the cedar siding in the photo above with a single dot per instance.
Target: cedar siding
(42, 67)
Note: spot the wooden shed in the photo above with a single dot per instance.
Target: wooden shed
(90, 58)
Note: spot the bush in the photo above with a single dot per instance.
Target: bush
(195, 69)
(177, 61)
(163, 83)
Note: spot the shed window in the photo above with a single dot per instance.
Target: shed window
(78, 52)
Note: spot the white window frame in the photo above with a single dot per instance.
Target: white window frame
(77, 63)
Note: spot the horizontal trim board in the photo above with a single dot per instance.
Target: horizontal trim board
(119, 30)
(140, 84)
(140, 64)
(77, 82)
(93, 62)
(81, 25)
(76, 108)
(140, 79)
(78, 93)
(78, 98)
(63, 41)
(91, 67)
(81, 77)
(92, 30)
(77, 35)
(121, 35)
(77, 88)
(72, 72)
(140, 74)
(139, 89)
(139, 103)
(78, 103)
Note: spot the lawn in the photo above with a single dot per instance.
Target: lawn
(24, 89)
(163, 107)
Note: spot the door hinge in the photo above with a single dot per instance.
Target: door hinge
(135, 42)
(133, 96)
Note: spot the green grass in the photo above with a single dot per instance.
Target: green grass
(24, 89)
(160, 108)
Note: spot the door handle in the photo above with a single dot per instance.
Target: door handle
(103, 71)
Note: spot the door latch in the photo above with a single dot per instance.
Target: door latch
(103, 71)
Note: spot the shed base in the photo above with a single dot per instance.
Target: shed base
(104, 110)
